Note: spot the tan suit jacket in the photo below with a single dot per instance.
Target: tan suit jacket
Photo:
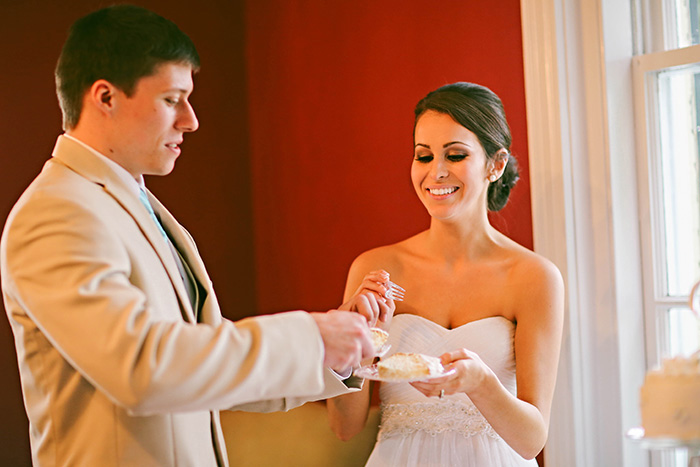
(114, 370)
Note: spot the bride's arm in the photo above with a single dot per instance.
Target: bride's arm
(347, 414)
(539, 315)
(521, 421)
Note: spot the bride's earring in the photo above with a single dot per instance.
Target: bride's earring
(492, 178)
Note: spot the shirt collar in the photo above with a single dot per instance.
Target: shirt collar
(134, 184)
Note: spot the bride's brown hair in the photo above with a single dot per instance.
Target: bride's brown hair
(479, 110)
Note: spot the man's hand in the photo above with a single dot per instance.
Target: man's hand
(345, 337)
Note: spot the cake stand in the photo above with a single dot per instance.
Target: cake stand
(692, 446)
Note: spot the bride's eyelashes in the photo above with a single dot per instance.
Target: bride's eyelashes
(424, 159)
(456, 157)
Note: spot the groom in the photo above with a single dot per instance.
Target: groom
(124, 356)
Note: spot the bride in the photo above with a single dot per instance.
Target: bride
(490, 308)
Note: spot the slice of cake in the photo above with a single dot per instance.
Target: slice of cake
(409, 366)
(379, 338)
(670, 399)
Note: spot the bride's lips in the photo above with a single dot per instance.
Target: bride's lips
(441, 192)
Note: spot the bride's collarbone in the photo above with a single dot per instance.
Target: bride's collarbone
(454, 304)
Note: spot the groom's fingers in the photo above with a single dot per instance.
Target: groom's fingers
(345, 337)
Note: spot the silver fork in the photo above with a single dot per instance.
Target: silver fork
(396, 292)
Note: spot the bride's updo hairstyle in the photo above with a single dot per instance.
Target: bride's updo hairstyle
(479, 110)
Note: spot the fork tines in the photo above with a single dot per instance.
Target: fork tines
(396, 292)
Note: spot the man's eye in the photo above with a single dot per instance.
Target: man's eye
(171, 101)
(422, 159)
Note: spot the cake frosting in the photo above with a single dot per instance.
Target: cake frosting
(409, 366)
(379, 338)
(670, 399)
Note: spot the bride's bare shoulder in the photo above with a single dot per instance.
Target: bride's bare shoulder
(530, 268)
(388, 256)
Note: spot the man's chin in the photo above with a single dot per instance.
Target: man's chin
(166, 169)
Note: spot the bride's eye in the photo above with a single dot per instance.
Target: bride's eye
(423, 158)
(456, 157)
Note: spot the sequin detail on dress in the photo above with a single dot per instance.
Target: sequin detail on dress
(433, 418)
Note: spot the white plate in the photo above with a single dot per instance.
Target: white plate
(383, 350)
(371, 372)
(647, 442)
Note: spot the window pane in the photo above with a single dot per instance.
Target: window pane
(678, 93)
(670, 458)
(686, 18)
(683, 329)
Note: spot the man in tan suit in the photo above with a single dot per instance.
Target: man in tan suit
(124, 356)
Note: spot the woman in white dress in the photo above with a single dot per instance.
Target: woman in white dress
(490, 308)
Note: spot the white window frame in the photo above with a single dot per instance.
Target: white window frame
(585, 218)
(655, 297)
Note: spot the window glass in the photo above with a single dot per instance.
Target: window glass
(683, 332)
(686, 19)
(670, 70)
(678, 110)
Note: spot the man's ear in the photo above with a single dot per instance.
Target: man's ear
(101, 96)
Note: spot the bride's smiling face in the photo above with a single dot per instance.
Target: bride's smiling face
(449, 170)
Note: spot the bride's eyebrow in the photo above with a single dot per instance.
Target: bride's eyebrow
(446, 145)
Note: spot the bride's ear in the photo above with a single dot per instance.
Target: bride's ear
(498, 164)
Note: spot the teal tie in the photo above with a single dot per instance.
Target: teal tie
(147, 204)
(182, 266)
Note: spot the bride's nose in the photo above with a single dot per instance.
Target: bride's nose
(439, 169)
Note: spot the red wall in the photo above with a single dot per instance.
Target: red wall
(331, 96)
(209, 191)
(302, 158)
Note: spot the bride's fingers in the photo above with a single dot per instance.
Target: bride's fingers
(380, 274)
(426, 389)
(380, 287)
(431, 389)
(376, 280)
(453, 356)
(374, 306)
(367, 305)
(439, 382)
(377, 276)
(386, 310)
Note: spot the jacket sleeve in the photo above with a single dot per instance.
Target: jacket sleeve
(333, 386)
(71, 274)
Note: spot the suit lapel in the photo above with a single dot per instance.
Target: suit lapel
(81, 161)
(209, 312)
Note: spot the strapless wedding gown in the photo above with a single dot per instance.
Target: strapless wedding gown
(422, 431)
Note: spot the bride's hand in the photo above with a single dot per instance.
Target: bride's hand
(370, 299)
(470, 372)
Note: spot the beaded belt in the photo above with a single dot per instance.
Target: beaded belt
(433, 418)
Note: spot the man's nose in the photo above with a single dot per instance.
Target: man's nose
(187, 120)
